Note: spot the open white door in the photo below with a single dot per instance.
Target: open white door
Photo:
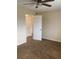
(37, 27)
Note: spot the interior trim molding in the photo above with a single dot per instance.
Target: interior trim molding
(51, 40)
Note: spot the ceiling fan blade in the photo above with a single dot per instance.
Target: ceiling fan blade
(38, 1)
(47, 5)
(47, 0)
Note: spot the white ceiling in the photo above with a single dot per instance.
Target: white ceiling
(55, 5)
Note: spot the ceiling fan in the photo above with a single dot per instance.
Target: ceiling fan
(40, 2)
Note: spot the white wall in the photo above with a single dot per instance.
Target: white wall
(21, 24)
(52, 25)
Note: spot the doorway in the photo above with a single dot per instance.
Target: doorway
(34, 26)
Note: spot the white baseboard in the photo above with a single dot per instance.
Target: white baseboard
(21, 43)
(52, 39)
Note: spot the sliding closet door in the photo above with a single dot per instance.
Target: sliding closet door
(37, 27)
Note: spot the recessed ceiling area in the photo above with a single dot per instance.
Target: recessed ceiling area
(56, 5)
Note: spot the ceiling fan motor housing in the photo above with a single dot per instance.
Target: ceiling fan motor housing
(39, 1)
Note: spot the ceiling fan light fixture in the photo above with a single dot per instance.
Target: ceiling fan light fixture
(36, 6)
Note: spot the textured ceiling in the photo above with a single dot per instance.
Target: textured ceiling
(55, 5)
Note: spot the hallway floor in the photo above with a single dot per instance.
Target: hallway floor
(44, 49)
